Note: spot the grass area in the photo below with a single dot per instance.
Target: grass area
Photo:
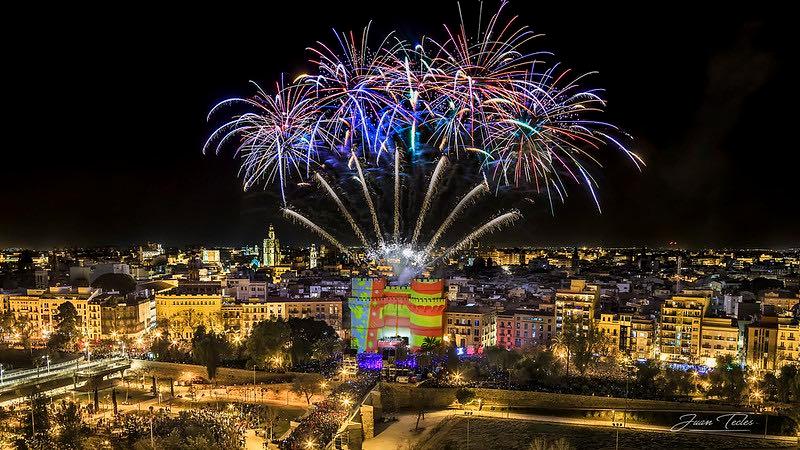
(487, 433)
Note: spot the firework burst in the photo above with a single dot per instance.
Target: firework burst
(484, 101)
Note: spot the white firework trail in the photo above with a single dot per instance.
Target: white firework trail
(396, 195)
(489, 227)
(432, 187)
(467, 200)
(297, 217)
(368, 198)
(343, 210)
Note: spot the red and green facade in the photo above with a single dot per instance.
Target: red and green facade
(380, 313)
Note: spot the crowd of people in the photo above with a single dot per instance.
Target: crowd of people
(320, 424)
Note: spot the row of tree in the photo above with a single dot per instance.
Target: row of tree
(272, 344)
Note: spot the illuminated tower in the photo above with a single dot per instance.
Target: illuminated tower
(312, 257)
(272, 249)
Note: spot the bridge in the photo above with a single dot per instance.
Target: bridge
(75, 370)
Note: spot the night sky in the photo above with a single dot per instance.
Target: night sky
(105, 119)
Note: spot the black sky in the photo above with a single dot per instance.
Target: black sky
(106, 115)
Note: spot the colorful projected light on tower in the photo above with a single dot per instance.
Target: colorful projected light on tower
(382, 315)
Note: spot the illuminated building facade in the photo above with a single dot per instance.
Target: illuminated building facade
(469, 328)
(762, 344)
(39, 307)
(190, 305)
(577, 303)
(382, 315)
(524, 327)
(719, 337)
(788, 344)
(271, 249)
(680, 326)
(312, 257)
(123, 315)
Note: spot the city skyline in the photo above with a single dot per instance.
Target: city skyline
(429, 225)
(695, 111)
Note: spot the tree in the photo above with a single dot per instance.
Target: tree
(582, 340)
(35, 421)
(159, 346)
(67, 330)
(24, 327)
(674, 382)
(72, 428)
(270, 417)
(788, 384)
(207, 349)
(303, 334)
(770, 385)
(430, 344)
(646, 374)
(25, 270)
(7, 324)
(727, 379)
(326, 348)
(464, 395)
(540, 366)
(501, 358)
(266, 340)
(307, 384)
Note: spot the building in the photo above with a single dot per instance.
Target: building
(679, 328)
(232, 319)
(524, 327)
(123, 315)
(271, 254)
(762, 344)
(383, 316)
(278, 272)
(642, 338)
(775, 303)
(719, 337)
(256, 310)
(210, 257)
(788, 350)
(150, 251)
(244, 289)
(326, 310)
(616, 328)
(104, 268)
(190, 305)
(469, 328)
(240, 317)
(312, 257)
(40, 308)
(578, 303)
(42, 278)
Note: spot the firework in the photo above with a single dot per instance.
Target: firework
(482, 101)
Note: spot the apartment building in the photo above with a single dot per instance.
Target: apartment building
(679, 328)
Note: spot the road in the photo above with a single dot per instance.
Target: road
(15, 379)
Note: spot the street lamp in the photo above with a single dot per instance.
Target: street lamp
(310, 444)
(346, 402)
